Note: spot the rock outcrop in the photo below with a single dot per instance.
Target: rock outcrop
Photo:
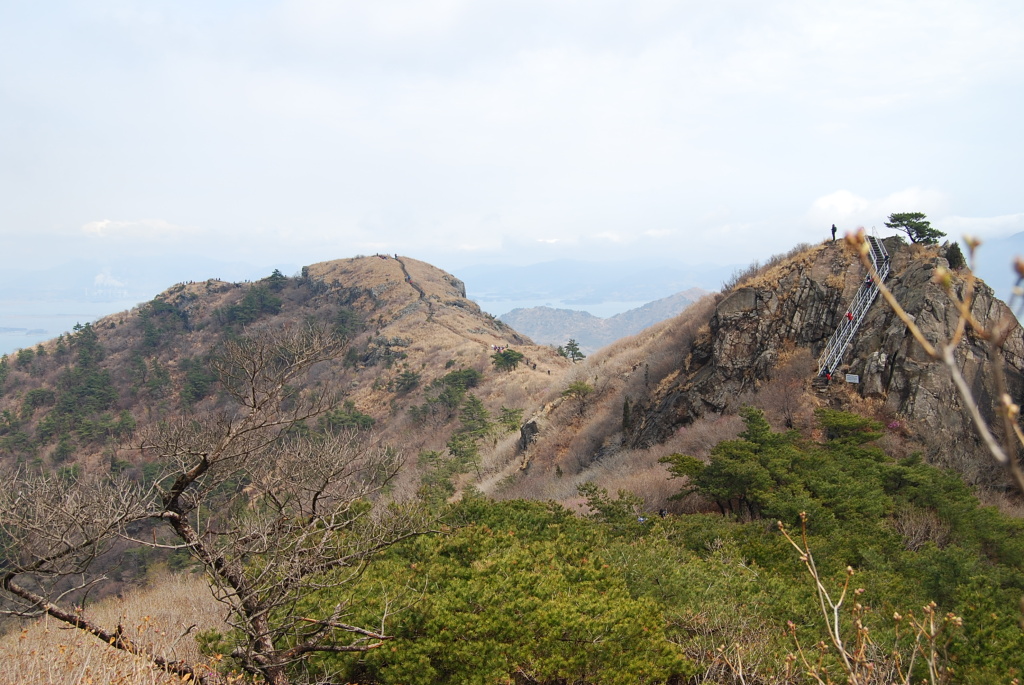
(799, 302)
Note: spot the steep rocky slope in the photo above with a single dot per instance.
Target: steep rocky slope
(677, 386)
(914, 535)
(801, 303)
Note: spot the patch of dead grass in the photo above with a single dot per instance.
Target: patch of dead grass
(164, 617)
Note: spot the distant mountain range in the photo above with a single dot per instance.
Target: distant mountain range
(542, 300)
(549, 326)
(576, 284)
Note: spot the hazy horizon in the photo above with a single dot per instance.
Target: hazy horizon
(469, 132)
(72, 295)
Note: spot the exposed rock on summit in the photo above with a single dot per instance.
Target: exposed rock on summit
(798, 303)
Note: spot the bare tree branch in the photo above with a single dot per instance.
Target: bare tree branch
(273, 514)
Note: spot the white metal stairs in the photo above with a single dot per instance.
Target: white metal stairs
(833, 353)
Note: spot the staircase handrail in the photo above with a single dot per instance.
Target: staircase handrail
(862, 301)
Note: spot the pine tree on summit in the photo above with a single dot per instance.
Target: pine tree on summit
(507, 360)
(276, 281)
(916, 226)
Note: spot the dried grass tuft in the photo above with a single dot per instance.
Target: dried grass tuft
(164, 616)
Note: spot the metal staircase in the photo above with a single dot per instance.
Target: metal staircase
(833, 353)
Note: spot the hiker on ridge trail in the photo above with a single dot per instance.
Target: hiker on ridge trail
(833, 233)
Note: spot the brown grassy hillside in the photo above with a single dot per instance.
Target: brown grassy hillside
(673, 387)
(165, 615)
(77, 404)
(401, 316)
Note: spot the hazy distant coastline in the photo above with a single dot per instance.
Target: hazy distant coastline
(24, 331)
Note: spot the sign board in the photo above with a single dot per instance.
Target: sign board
(851, 378)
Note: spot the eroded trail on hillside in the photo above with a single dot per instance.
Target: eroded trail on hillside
(417, 288)
(423, 296)
(431, 310)
(408, 279)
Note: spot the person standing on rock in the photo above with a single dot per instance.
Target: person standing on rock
(833, 233)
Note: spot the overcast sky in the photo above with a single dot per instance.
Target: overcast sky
(463, 132)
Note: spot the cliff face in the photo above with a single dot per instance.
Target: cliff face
(895, 368)
(798, 303)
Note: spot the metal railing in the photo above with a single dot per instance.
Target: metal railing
(836, 347)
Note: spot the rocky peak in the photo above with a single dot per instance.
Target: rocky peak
(798, 302)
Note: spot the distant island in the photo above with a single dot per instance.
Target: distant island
(26, 331)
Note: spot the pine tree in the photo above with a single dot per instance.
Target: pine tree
(572, 351)
(917, 228)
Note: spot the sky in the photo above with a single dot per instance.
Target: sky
(467, 132)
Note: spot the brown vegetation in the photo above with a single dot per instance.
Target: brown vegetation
(571, 449)
(415, 320)
(163, 617)
(305, 512)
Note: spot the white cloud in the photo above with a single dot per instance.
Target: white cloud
(376, 247)
(915, 200)
(982, 227)
(383, 19)
(308, 127)
(105, 280)
(848, 210)
(841, 204)
(612, 237)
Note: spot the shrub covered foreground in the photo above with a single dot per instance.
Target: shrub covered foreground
(527, 592)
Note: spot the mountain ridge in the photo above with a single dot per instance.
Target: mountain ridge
(552, 326)
(722, 395)
(414, 324)
(756, 345)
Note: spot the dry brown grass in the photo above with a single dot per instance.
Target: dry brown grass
(697, 439)
(573, 449)
(164, 617)
(772, 269)
(919, 527)
(787, 398)
(1008, 503)
(442, 327)
(591, 456)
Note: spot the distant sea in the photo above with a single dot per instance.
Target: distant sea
(25, 323)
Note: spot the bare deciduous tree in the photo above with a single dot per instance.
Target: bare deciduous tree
(923, 640)
(273, 511)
